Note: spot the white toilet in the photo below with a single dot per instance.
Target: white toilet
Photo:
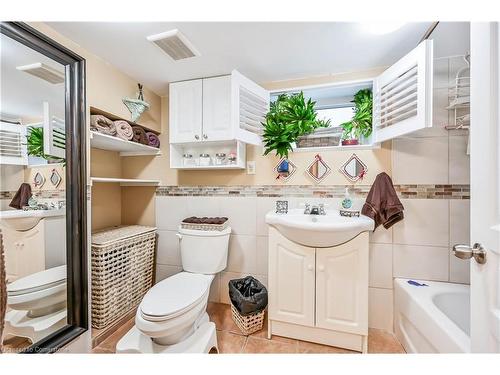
(37, 304)
(172, 316)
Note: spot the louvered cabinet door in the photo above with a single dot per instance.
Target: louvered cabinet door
(13, 144)
(402, 100)
(54, 133)
(250, 103)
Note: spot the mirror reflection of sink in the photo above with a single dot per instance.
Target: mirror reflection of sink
(319, 230)
(21, 220)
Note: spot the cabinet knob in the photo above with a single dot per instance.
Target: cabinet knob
(310, 267)
(321, 268)
(205, 136)
(196, 137)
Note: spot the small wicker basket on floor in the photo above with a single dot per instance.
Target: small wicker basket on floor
(250, 323)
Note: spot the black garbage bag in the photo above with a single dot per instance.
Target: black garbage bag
(248, 295)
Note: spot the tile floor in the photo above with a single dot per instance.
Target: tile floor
(231, 340)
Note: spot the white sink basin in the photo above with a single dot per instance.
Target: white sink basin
(319, 230)
(21, 220)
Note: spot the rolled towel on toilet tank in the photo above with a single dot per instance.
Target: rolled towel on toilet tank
(102, 125)
(140, 135)
(153, 139)
(124, 130)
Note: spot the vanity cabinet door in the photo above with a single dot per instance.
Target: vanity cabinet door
(24, 251)
(342, 286)
(185, 111)
(291, 280)
(217, 109)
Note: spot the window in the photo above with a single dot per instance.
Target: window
(327, 137)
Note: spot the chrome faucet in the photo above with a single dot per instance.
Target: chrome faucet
(314, 210)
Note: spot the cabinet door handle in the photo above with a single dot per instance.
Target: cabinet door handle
(205, 136)
(321, 268)
(310, 267)
(196, 137)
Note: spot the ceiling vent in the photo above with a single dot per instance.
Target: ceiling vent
(44, 72)
(174, 44)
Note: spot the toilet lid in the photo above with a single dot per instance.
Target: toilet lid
(174, 295)
(38, 281)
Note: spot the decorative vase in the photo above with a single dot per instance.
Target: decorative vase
(136, 106)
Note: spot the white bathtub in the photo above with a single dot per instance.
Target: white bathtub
(433, 318)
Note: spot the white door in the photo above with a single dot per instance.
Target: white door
(485, 185)
(217, 109)
(402, 95)
(291, 280)
(185, 111)
(342, 286)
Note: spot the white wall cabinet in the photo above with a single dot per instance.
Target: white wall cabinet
(319, 294)
(215, 109)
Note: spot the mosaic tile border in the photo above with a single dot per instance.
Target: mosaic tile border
(44, 194)
(315, 191)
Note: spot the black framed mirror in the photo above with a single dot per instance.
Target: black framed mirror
(73, 158)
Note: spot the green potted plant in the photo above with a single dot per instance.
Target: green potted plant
(289, 118)
(361, 123)
(35, 145)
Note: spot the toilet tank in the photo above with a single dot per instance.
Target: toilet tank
(204, 251)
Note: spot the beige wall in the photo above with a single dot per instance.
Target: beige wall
(105, 88)
(377, 160)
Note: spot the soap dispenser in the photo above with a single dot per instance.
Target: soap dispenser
(347, 201)
(347, 204)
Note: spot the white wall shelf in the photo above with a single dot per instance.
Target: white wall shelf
(125, 181)
(212, 148)
(125, 148)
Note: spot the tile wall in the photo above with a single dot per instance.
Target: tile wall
(418, 247)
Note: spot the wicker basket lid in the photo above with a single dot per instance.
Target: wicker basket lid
(108, 235)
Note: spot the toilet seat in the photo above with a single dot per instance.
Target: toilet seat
(175, 296)
(37, 282)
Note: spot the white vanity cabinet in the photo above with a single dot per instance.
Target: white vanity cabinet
(35, 249)
(319, 294)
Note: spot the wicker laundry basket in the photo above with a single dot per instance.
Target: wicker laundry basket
(122, 270)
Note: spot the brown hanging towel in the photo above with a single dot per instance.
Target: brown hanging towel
(22, 196)
(382, 203)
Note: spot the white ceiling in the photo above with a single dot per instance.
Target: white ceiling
(22, 95)
(262, 51)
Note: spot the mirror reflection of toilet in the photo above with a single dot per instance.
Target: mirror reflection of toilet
(172, 316)
(37, 304)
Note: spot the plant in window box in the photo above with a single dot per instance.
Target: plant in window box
(35, 145)
(360, 125)
(289, 118)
